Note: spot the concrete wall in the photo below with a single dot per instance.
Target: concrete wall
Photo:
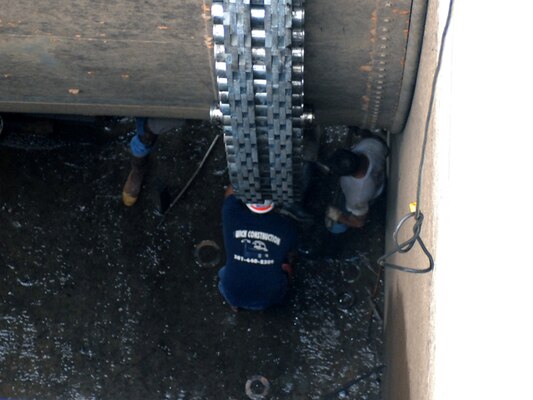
(409, 308)
(464, 331)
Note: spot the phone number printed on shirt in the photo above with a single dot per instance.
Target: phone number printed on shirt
(252, 260)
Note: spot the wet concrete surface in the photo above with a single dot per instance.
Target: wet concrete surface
(96, 302)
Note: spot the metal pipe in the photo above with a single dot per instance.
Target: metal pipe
(361, 68)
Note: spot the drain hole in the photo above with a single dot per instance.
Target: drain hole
(207, 254)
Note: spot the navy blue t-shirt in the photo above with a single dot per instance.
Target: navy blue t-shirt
(256, 247)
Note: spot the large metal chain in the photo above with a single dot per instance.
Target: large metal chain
(259, 52)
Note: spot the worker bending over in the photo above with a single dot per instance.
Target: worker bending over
(260, 249)
(363, 171)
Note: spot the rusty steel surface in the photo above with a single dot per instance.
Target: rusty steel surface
(155, 58)
(99, 57)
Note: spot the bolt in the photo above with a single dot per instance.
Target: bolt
(215, 114)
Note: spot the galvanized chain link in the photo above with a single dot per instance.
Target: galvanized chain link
(258, 48)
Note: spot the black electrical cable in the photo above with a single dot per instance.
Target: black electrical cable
(180, 194)
(417, 214)
(348, 385)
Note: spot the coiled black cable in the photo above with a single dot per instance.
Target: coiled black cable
(417, 214)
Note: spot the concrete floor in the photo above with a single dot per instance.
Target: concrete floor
(97, 303)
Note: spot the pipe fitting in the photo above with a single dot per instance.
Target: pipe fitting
(215, 114)
(308, 117)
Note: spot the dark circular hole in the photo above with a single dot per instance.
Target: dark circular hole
(345, 300)
(257, 387)
(207, 254)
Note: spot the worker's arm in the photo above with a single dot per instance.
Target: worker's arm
(292, 257)
(348, 219)
(353, 221)
(289, 270)
(229, 191)
(288, 266)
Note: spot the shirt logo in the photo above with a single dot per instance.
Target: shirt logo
(264, 236)
(255, 246)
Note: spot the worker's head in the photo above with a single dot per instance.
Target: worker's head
(343, 162)
(261, 208)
